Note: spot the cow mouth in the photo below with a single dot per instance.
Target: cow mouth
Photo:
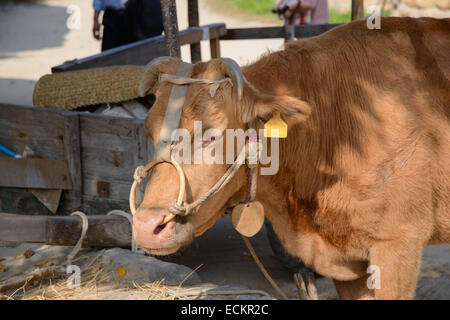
(174, 235)
(162, 251)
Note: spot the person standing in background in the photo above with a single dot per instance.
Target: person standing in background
(126, 21)
(303, 11)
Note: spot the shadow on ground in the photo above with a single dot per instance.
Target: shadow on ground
(17, 91)
(32, 25)
(223, 259)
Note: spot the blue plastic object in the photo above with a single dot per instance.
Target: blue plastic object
(8, 152)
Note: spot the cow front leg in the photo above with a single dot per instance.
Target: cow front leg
(354, 290)
(395, 268)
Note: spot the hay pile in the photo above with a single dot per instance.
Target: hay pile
(97, 282)
(39, 272)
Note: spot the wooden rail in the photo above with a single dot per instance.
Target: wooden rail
(103, 231)
(141, 52)
(301, 31)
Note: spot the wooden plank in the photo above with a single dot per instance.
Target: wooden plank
(112, 160)
(301, 31)
(106, 141)
(140, 151)
(118, 189)
(21, 200)
(95, 205)
(289, 32)
(22, 228)
(39, 129)
(140, 52)
(28, 115)
(214, 45)
(34, 173)
(170, 22)
(72, 153)
(253, 33)
(103, 231)
(137, 53)
(43, 146)
(91, 123)
(193, 20)
(215, 30)
(141, 156)
(49, 198)
(108, 147)
(357, 9)
(108, 174)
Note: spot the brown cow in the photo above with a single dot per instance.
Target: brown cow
(365, 169)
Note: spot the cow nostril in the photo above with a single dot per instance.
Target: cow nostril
(159, 228)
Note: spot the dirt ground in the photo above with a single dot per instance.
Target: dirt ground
(34, 37)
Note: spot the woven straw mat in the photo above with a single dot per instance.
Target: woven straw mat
(72, 89)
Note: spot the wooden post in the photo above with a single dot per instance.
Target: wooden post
(289, 32)
(214, 45)
(169, 14)
(357, 9)
(196, 54)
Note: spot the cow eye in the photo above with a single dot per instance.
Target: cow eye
(207, 142)
(261, 119)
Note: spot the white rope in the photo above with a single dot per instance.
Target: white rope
(186, 209)
(172, 78)
(134, 246)
(84, 228)
(139, 174)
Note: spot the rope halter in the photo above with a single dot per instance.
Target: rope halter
(179, 207)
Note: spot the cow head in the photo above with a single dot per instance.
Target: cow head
(236, 104)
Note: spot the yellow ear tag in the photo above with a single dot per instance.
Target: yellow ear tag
(275, 127)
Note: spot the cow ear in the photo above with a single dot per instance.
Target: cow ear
(292, 109)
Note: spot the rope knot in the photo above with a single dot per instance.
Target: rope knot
(180, 210)
(139, 174)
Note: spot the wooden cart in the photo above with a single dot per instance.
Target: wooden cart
(100, 154)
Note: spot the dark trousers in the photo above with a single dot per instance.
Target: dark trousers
(140, 20)
(116, 29)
